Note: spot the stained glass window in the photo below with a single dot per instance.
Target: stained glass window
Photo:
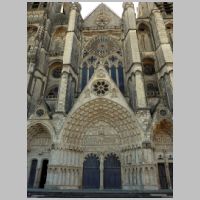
(84, 75)
(121, 77)
(91, 71)
(113, 73)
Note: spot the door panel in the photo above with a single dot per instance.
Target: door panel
(171, 173)
(91, 172)
(32, 173)
(43, 174)
(112, 172)
(162, 176)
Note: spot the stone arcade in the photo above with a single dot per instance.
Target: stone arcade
(100, 97)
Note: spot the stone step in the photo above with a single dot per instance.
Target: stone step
(93, 193)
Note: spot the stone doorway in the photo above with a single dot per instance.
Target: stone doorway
(91, 172)
(162, 176)
(32, 175)
(112, 172)
(43, 173)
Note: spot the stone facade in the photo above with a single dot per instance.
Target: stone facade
(100, 88)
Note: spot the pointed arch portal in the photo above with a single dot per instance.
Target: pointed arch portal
(112, 172)
(91, 172)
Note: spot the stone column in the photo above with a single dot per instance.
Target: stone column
(101, 170)
(67, 177)
(29, 75)
(48, 179)
(168, 175)
(67, 61)
(55, 176)
(62, 92)
(131, 177)
(80, 80)
(59, 176)
(140, 91)
(133, 60)
(169, 91)
(80, 177)
(163, 48)
(38, 174)
(171, 77)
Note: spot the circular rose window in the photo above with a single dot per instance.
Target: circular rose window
(100, 87)
(40, 112)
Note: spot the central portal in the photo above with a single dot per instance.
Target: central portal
(112, 172)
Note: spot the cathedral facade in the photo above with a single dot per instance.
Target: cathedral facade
(99, 97)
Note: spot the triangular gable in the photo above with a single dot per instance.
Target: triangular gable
(161, 112)
(113, 93)
(113, 99)
(41, 111)
(102, 16)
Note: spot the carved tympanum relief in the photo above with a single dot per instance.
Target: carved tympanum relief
(102, 134)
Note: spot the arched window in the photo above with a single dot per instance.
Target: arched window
(113, 73)
(92, 59)
(121, 77)
(56, 72)
(106, 65)
(53, 93)
(148, 66)
(91, 71)
(84, 75)
(152, 89)
(132, 93)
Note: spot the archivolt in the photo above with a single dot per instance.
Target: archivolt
(38, 127)
(99, 110)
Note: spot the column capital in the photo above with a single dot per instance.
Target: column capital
(76, 6)
(137, 71)
(127, 5)
(156, 11)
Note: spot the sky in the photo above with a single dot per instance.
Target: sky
(88, 7)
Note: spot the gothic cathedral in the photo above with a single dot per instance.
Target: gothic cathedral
(99, 97)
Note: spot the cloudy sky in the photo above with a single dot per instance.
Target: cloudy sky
(88, 7)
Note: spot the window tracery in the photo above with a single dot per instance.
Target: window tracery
(150, 78)
(100, 87)
(107, 49)
(53, 93)
(152, 89)
(102, 46)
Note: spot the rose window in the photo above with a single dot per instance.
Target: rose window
(101, 87)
